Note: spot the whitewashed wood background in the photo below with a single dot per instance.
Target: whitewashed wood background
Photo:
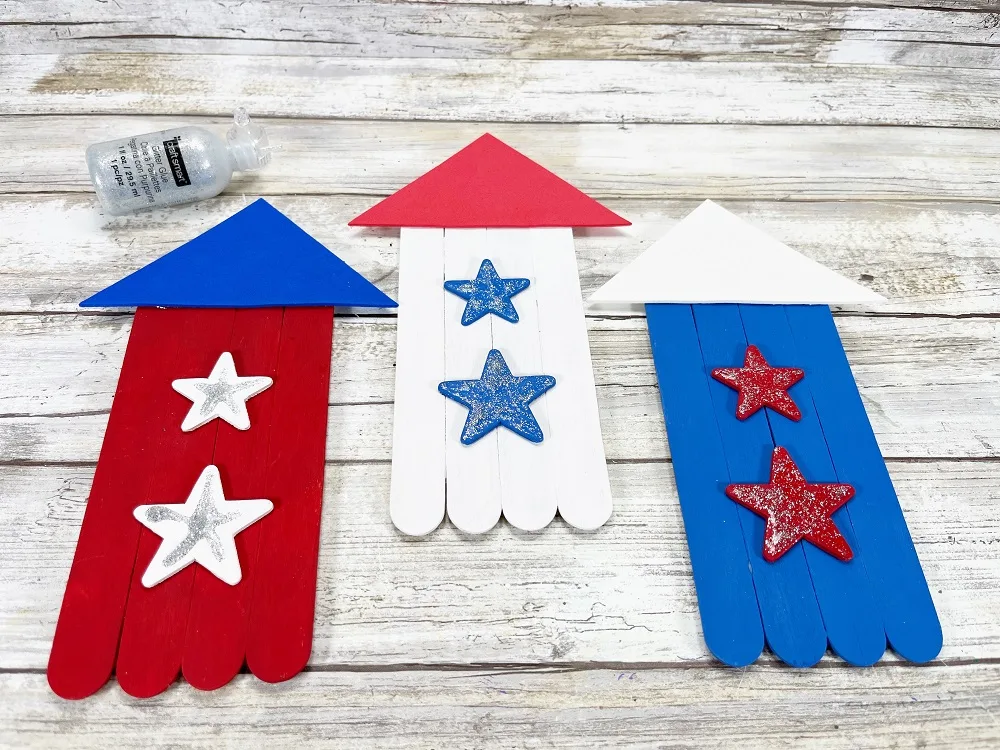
(865, 134)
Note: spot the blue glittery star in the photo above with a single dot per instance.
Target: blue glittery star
(487, 293)
(498, 398)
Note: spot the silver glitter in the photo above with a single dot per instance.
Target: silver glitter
(201, 530)
(222, 394)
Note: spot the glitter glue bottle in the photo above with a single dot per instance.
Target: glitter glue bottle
(174, 166)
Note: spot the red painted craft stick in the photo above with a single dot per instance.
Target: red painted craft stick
(90, 622)
(153, 633)
(281, 619)
(215, 644)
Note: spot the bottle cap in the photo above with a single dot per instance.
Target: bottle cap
(248, 142)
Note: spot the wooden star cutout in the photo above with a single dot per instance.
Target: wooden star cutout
(795, 509)
(761, 385)
(498, 398)
(202, 529)
(223, 395)
(487, 294)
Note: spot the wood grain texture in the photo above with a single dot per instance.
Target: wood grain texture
(909, 211)
(927, 383)
(962, 36)
(554, 91)
(936, 707)
(622, 594)
(926, 257)
(649, 161)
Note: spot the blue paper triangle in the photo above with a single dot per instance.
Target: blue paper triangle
(255, 258)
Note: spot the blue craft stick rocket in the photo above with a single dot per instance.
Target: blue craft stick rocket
(713, 286)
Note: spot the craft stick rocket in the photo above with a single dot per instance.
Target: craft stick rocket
(200, 539)
(487, 264)
(794, 529)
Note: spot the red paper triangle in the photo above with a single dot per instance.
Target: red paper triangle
(489, 184)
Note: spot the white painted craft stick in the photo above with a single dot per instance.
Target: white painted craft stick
(576, 449)
(528, 472)
(417, 490)
(473, 471)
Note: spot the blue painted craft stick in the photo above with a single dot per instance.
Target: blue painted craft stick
(792, 622)
(851, 615)
(729, 614)
(898, 584)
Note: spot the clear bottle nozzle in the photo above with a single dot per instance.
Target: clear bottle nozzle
(247, 142)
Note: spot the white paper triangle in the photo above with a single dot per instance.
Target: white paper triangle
(713, 256)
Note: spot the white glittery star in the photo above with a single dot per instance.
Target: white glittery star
(222, 394)
(202, 529)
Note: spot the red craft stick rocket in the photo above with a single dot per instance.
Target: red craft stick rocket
(258, 289)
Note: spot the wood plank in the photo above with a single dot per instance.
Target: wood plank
(653, 30)
(927, 383)
(624, 160)
(678, 161)
(762, 707)
(417, 493)
(925, 257)
(539, 614)
(598, 91)
(473, 494)
(623, 594)
(880, 35)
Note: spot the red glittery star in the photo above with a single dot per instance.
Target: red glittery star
(795, 509)
(761, 385)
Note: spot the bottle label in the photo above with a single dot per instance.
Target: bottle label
(141, 168)
(175, 159)
(158, 169)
